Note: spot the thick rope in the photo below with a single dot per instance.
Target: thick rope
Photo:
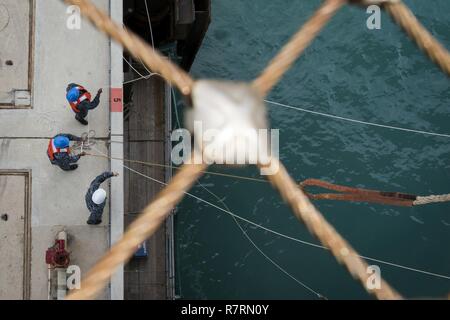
(157, 211)
(420, 200)
(136, 46)
(258, 226)
(298, 43)
(368, 195)
(247, 236)
(357, 194)
(348, 193)
(142, 228)
(343, 252)
(406, 19)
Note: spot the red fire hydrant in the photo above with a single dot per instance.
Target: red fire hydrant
(57, 256)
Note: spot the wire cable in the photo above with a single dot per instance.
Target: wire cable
(356, 121)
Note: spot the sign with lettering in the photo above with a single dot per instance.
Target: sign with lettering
(116, 100)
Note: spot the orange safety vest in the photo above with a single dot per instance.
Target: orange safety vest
(52, 150)
(85, 95)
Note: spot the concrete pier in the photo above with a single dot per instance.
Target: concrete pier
(46, 51)
(51, 199)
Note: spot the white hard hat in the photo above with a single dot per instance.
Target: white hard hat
(99, 196)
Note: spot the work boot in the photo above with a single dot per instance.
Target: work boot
(94, 219)
(93, 222)
(81, 120)
(71, 167)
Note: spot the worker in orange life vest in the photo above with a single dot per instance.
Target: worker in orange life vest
(80, 101)
(58, 151)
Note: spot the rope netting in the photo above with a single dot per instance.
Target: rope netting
(158, 210)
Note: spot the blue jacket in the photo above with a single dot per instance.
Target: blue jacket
(96, 209)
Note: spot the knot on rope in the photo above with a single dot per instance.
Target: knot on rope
(226, 120)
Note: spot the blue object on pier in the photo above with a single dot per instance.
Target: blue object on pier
(141, 252)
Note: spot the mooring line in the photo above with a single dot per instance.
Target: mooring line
(323, 114)
(357, 121)
(437, 275)
(319, 295)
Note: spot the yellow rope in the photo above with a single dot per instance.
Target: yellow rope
(136, 46)
(306, 212)
(298, 43)
(142, 228)
(406, 19)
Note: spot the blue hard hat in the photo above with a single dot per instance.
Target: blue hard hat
(73, 94)
(61, 142)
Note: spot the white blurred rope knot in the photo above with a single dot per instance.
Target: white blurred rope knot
(229, 122)
(421, 200)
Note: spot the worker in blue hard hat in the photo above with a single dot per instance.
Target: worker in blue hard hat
(80, 101)
(96, 198)
(59, 154)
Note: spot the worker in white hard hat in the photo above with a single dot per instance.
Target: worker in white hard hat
(96, 198)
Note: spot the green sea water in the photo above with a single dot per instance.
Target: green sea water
(377, 76)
